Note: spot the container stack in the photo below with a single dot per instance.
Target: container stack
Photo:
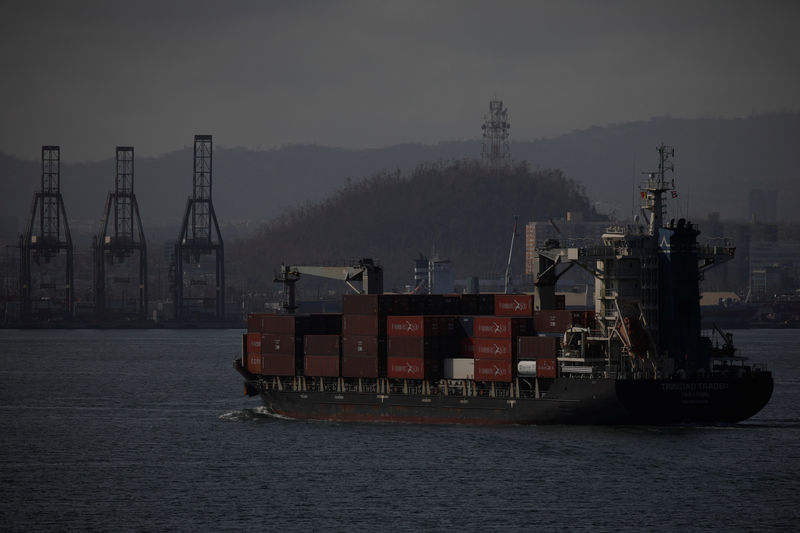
(282, 344)
(492, 339)
(364, 334)
(484, 337)
(322, 355)
(418, 344)
(541, 351)
(494, 345)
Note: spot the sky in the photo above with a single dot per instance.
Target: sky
(92, 75)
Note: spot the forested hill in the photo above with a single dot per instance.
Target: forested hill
(458, 210)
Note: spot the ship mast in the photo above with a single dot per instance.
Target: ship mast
(655, 187)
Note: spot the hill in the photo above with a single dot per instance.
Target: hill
(458, 210)
(717, 162)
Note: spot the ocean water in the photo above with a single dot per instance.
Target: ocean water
(149, 431)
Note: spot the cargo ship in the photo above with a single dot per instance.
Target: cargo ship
(638, 357)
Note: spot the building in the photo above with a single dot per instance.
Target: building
(569, 231)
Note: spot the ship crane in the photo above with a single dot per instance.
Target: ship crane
(365, 271)
(510, 252)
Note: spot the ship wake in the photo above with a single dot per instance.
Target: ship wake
(256, 414)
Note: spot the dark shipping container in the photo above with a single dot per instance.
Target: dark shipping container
(273, 343)
(552, 321)
(535, 347)
(412, 346)
(370, 304)
(285, 324)
(363, 325)
(322, 345)
(325, 324)
(354, 366)
(321, 366)
(278, 365)
(363, 345)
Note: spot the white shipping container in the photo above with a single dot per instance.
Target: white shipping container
(461, 368)
(526, 369)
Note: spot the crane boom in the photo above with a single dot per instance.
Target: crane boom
(365, 270)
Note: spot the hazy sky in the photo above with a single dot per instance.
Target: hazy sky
(93, 75)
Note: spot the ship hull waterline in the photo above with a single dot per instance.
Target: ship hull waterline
(602, 401)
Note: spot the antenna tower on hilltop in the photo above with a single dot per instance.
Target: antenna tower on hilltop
(496, 152)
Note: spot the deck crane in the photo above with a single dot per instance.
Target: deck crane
(510, 251)
(364, 270)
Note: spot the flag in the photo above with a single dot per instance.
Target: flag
(644, 195)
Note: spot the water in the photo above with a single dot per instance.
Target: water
(149, 431)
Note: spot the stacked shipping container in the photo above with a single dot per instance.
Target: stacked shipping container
(408, 337)
(364, 334)
(417, 345)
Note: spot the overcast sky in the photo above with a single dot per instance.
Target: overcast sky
(93, 75)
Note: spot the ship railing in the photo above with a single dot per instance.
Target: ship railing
(580, 370)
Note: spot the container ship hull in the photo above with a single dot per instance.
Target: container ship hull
(600, 401)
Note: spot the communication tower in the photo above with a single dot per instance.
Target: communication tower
(198, 291)
(496, 152)
(46, 243)
(116, 244)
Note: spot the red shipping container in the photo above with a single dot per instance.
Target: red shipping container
(406, 367)
(513, 305)
(535, 347)
(354, 366)
(272, 343)
(546, 368)
(254, 321)
(501, 326)
(412, 346)
(363, 345)
(321, 366)
(493, 370)
(413, 326)
(278, 365)
(362, 325)
(254, 363)
(285, 324)
(493, 348)
(552, 321)
(322, 344)
(254, 343)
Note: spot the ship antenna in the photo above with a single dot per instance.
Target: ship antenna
(653, 190)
